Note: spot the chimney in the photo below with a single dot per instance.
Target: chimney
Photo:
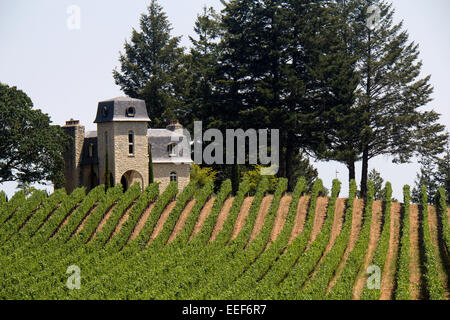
(72, 123)
(176, 127)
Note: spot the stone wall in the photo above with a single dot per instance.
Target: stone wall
(161, 173)
(72, 157)
(120, 161)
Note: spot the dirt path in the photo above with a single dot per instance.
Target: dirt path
(390, 267)
(102, 222)
(441, 255)
(242, 216)
(339, 213)
(375, 230)
(416, 276)
(181, 220)
(300, 218)
(65, 220)
(221, 218)
(141, 223)
(261, 218)
(319, 218)
(280, 219)
(204, 213)
(81, 226)
(358, 208)
(122, 220)
(162, 220)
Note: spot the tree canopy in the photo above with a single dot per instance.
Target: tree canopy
(32, 148)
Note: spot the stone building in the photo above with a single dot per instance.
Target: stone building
(123, 140)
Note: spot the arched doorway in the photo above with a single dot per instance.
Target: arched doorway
(131, 177)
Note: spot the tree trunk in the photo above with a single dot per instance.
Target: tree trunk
(351, 171)
(365, 172)
(290, 154)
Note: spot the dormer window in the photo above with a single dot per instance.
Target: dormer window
(105, 111)
(131, 142)
(131, 112)
(172, 150)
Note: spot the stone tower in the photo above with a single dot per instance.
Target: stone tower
(122, 125)
(72, 157)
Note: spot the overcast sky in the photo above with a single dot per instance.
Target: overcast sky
(66, 72)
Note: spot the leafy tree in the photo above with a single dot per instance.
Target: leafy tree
(152, 67)
(32, 148)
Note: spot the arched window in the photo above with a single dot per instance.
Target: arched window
(173, 177)
(131, 142)
(172, 150)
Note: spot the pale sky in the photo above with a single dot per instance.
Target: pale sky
(67, 72)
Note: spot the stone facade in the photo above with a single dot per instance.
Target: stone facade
(162, 172)
(123, 134)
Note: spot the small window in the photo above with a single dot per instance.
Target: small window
(131, 112)
(173, 177)
(106, 140)
(131, 142)
(172, 150)
(91, 150)
(105, 111)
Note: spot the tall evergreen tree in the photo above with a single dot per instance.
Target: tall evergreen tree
(200, 100)
(152, 67)
(391, 91)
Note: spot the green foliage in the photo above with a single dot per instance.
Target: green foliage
(37, 247)
(434, 283)
(32, 148)
(402, 279)
(152, 66)
(379, 258)
(202, 175)
(343, 289)
(316, 288)
(442, 209)
(254, 177)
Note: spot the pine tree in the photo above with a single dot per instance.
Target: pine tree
(201, 65)
(152, 67)
(379, 192)
(391, 91)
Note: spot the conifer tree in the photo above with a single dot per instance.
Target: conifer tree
(152, 67)
(391, 90)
